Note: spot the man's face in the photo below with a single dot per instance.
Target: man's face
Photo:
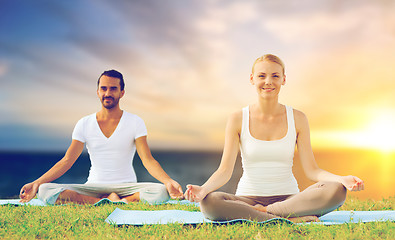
(109, 91)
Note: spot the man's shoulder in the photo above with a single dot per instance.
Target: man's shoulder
(87, 118)
(90, 116)
(132, 116)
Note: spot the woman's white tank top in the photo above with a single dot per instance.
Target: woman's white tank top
(267, 165)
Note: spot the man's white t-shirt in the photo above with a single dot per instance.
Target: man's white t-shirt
(111, 158)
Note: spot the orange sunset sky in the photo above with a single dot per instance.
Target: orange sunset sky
(187, 65)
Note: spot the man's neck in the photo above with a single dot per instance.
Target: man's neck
(113, 113)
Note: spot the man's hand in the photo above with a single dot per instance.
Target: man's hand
(352, 183)
(195, 193)
(28, 192)
(174, 189)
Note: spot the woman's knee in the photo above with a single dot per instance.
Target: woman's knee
(335, 193)
(212, 198)
(339, 192)
(211, 205)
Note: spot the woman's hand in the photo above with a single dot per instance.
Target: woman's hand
(28, 192)
(174, 189)
(195, 193)
(352, 183)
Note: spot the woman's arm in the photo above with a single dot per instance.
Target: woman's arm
(224, 172)
(310, 167)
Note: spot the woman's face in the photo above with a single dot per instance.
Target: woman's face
(268, 77)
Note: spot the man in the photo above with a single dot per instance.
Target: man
(112, 137)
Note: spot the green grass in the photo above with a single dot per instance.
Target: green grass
(87, 222)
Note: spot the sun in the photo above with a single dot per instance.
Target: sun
(379, 133)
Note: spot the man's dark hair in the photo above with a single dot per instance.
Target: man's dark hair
(115, 74)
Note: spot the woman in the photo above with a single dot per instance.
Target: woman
(267, 133)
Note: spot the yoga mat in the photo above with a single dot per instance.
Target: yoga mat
(15, 202)
(38, 202)
(138, 218)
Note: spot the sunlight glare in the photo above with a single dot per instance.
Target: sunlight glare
(380, 133)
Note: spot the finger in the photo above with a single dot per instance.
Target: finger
(191, 196)
(357, 179)
(361, 186)
(186, 196)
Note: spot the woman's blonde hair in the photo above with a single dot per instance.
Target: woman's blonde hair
(270, 58)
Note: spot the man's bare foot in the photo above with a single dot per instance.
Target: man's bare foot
(259, 207)
(113, 197)
(131, 198)
(304, 219)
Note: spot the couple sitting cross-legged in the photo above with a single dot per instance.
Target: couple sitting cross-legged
(266, 133)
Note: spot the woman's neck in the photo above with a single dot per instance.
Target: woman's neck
(268, 106)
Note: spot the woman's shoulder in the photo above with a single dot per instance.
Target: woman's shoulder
(300, 118)
(235, 120)
(236, 116)
(298, 114)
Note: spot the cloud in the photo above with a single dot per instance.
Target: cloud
(3, 68)
(186, 64)
(365, 21)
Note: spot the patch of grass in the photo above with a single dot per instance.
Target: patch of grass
(87, 222)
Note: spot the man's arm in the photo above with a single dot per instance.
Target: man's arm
(29, 191)
(154, 168)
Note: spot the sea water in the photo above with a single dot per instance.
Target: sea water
(377, 169)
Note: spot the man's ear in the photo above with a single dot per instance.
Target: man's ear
(122, 93)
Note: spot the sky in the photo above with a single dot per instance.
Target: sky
(186, 66)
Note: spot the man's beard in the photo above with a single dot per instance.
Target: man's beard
(110, 105)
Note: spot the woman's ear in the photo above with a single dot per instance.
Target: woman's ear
(252, 78)
(284, 80)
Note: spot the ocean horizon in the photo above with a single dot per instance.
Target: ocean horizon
(195, 167)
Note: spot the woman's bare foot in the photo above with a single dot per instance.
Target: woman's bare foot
(259, 207)
(304, 219)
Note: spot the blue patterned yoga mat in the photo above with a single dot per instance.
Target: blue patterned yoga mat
(134, 217)
(38, 202)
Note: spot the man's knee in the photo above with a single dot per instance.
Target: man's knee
(49, 192)
(154, 194)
